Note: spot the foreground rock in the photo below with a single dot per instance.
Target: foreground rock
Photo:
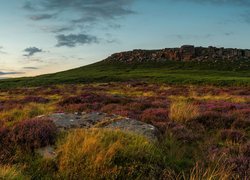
(101, 120)
(97, 120)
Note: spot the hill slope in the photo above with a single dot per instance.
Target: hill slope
(174, 72)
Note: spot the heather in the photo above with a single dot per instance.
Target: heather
(203, 132)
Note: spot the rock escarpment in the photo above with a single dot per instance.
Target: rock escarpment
(184, 53)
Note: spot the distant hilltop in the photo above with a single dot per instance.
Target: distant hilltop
(184, 53)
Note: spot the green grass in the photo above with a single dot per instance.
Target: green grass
(171, 72)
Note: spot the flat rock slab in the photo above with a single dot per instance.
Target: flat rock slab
(135, 126)
(103, 120)
(84, 120)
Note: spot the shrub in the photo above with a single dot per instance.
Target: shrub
(180, 132)
(241, 124)
(241, 166)
(246, 149)
(5, 151)
(154, 115)
(32, 134)
(35, 99)
(214, 120)
(106, 154)
(183, 111)
(232, 135)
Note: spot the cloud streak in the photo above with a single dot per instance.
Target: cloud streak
(219, 2)
(10, 73)
(32, 51)
(2, 52)
(77, 15)
(30, 68)
(72, 40)
(39, 17)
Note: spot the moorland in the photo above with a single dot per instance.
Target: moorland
(201, 110)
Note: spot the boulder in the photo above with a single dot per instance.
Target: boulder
(65, 121)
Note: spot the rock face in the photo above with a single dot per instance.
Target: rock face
(102, 120)
(184, 53)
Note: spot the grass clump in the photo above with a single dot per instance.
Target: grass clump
(11, 173)
(183, 111)
(212, 171)
(31, 134)
(26, 112)
(106, 154)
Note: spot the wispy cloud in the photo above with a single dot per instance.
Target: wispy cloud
(39, 17)
(1, 51)
(86, 13)
(30, 68)
(72, 40)
(218, 2)
(31, 51)
(10, 73)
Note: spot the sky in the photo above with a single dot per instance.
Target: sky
(46, 36)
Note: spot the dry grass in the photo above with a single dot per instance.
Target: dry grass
(183, 111)
(10, 173)
(214, 171)
(28, 111)
(97, 154)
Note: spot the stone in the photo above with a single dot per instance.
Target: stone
(137, 127)
(65, 121)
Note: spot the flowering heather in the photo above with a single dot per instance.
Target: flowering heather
(200, 123)
(232, 135)
(35, 99)
(32, 134)
(241, 166)
(214, 120)
(154, 115)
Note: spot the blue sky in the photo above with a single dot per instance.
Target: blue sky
(45, 36)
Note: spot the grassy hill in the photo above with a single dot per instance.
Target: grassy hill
(172, 72)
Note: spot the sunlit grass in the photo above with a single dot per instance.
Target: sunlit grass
(183, 111)
(107, 154)
(208, 97)
(28, 111)
(131, 93)
(11, 173)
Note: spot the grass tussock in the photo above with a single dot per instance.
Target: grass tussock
(214, 171)
(29, 111)
(11, 173)
(98, 154)
(183, 111)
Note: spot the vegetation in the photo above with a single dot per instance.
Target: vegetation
(183, 111)
(105, 154)
(203, 132)
(11, 173)
(213, 73)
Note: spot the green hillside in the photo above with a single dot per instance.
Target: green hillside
(212, 73)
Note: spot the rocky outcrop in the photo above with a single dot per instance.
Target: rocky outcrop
(184, 53)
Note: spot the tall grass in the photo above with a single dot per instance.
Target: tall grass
(28, 111)
(183, 111)
(214, 171)
(11, 173)
(106, 154)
